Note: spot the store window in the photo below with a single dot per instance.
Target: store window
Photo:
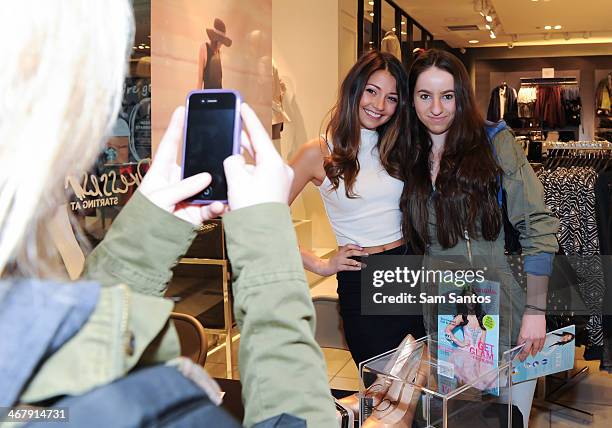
(383, 25)
(99, 195)
(417, 37)
(405, 37)
(368, 26)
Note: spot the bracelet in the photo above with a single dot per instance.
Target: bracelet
(535, 308)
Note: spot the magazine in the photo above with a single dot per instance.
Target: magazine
(557, 355)
(468, 337)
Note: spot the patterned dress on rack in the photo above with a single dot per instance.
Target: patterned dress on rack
(570, 195)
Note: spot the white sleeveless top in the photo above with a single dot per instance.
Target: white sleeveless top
(373, 218)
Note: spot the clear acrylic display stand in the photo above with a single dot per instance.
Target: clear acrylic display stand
(420, 390)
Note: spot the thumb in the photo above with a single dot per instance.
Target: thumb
(172, 195)
(235, 168)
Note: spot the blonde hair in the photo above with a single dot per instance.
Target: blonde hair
(61, 84)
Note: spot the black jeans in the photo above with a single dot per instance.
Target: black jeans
(371, 335)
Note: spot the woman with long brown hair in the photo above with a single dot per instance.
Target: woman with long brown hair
(357, 168)
(451, 202)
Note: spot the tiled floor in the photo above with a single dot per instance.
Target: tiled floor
(593, 394)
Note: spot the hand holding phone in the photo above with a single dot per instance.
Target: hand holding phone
(162, 185)
(269, 180)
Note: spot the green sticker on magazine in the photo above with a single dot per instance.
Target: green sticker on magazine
(488, 322)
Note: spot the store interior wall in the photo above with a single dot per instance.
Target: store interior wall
(491, 66)
(314, 43)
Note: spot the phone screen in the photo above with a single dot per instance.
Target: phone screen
(209, 139)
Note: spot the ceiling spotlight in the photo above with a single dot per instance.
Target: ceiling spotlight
(371, 3)
(489, 18)
(492, 35)
(488, 26)
(403, 22)
(404, 33)
(147, 47)
(473, 41)
(548, 27)
(558, 27)
(140, 47)
(371, 13)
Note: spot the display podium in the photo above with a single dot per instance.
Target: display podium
(413, 386)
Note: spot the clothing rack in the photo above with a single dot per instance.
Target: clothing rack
(578, 145)
(552, 387)
(548, 81)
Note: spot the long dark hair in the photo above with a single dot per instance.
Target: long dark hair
(467, 182)
(463, 310)
(344, 127)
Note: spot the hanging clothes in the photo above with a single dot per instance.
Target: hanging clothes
(548, 106)
(526, 101)
(603, 211)
(572, 106)
(570, 194)
(603, 95)
(502, 104)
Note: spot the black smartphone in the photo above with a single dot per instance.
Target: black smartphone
(212, 133)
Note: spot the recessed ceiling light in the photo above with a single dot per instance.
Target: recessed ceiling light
(371, 3)
(488, 26)
(548, 27)
(403, 22)
(140, 47)
(147, 47)
(393, 29)
(489, 18)
(473, 41)
(558, 27)
(371, 13)
(492, 35)
(404, 33)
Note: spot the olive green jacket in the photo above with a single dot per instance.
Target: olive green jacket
(528, 214)
(282, 368)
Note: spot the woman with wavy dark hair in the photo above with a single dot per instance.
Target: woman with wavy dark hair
(452, 200)
(357, 168)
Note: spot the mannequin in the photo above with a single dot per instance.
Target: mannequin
(210, 73)
(391, 44)
(279, 116)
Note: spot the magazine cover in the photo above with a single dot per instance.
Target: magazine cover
(468, 336)
(556, 356)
